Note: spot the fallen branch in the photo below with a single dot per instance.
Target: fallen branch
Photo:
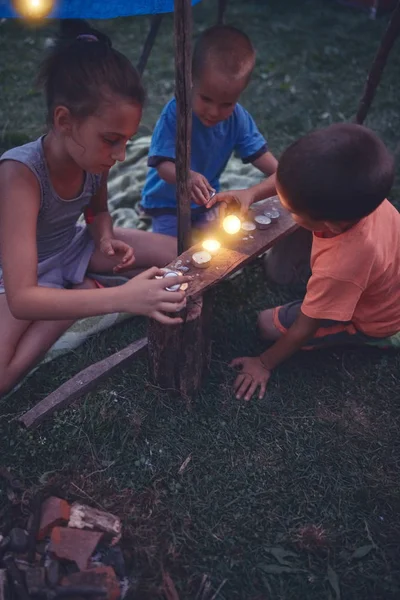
(81, 384)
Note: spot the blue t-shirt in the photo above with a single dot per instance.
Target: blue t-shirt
(211, 150)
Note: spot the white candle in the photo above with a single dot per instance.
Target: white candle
(201, 259)
(262, 222)
(248, 226)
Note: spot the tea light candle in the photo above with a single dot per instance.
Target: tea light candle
(273, 214)
(248, 226)
(231, 224)
(211, 246)
(201, 259)
(262, 221)
(176, 286)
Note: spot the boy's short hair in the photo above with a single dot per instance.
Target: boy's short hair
(225, 49)
(340, 173)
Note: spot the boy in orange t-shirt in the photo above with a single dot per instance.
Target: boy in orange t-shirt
(335, 181)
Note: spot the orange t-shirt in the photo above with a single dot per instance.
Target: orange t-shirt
(356, 275)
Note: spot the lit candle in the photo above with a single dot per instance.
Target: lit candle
(33, 9)
(212, 246)
(262, 222)
(201, 259)
(231, 224)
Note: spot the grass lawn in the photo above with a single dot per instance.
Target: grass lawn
(290, 498)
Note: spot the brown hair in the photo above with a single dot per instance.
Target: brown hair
(82, 68)
(224, 48)
(340, 173)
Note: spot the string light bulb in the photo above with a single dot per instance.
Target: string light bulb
(33, 9)
(231, 224)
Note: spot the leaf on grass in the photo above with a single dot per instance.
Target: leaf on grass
(334, 581)
(169, 588)
(362, 551)
(279, 569)
(281, 554)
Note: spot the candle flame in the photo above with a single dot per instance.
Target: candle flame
(231, 224)
(212, 246)
(33, 9)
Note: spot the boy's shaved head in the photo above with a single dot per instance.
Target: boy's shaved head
(226, 50)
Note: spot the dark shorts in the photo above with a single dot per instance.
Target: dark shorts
(331, 333)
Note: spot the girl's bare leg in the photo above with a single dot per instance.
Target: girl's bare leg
(150, 250)
(25, 343)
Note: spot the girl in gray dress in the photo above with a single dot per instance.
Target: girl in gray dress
(94, 100)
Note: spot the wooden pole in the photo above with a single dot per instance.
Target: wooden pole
(221, 11)
(149, 42)
(183, 92)
(378, 65)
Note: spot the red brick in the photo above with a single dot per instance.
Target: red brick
(55, 511)
(76, 545)
(99, 576)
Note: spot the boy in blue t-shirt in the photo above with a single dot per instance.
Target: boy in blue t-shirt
(223, 60)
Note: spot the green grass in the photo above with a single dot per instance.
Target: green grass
(314, 468)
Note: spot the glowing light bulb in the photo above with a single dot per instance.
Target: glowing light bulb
(33, 9)
(212, 246)
(231, 224)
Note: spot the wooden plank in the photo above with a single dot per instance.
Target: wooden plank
(183, 93)
(236, 251)
(378, 65)
(81, 384)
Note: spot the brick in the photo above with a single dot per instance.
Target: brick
(98, 577)
(86, 517)
(75, 545)
(55, 511)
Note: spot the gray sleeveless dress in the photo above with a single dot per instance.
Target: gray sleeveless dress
(64, 246)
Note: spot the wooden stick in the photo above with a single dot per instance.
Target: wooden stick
(149, 42)
(375, 73)
(221, 11)
(80, 384)
(183, 91)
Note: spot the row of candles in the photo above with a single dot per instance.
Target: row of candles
(232, 225)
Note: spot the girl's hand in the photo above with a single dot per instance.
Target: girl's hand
(243, 198)
(253, 375)
(145, 295)
(112, 247)
(200, 188)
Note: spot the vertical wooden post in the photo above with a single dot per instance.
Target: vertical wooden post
(183, 92)
(379, 64)
(149, 42)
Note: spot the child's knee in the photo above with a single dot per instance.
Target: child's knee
(266, 326)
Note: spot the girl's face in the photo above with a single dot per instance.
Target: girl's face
(97, 142)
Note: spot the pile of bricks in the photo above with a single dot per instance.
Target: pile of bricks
(73, 552)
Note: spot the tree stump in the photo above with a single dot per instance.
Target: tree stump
(179, 356)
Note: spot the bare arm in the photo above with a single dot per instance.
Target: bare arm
(199, 185)
(266, 163)
(167, 171)
(19, 207)
(302, 330)
(102, 226)
(256, 371)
